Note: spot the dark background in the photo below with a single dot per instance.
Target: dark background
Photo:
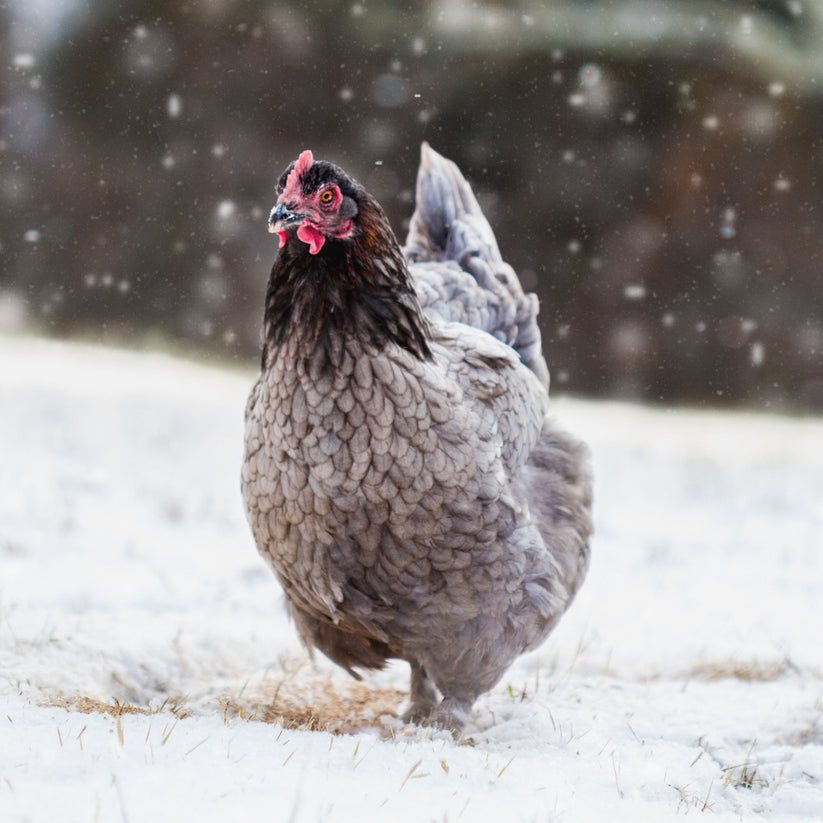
(651, 170)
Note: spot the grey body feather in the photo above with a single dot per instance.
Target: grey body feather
(424, 509)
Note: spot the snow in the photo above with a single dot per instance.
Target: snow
(687, 678)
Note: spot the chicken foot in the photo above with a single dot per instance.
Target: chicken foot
(422, 694)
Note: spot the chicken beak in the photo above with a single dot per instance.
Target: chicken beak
(282, 217)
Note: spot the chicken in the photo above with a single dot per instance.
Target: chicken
(401, 475)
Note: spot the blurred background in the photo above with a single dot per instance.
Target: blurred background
(651, 168)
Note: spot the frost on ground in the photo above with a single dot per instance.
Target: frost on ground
(147, 669)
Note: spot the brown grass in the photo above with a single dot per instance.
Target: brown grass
(326, 710)
(754, 672)
(321, 707)
(691, 799)
(90, 705)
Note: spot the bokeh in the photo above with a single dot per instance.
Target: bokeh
(650, 168)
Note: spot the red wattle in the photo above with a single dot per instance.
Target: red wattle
(282, 236)
(308, 234)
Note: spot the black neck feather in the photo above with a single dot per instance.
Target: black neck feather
(356, 288)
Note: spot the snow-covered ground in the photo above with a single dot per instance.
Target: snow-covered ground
(143, 643)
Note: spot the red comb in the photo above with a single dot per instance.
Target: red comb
(303, 164)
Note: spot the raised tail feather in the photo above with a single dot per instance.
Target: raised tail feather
(450, 237)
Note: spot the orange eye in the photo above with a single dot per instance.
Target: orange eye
(326, 197)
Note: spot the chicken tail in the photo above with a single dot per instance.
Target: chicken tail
(448, 225)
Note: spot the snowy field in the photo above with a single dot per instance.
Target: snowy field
(148, 672)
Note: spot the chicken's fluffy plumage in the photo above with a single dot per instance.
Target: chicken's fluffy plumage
(401, 475)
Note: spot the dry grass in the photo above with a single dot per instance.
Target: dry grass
(754, 672)
(90, 705)
(326, 709)
(318, 707)
(690, 799)
(811, 733)
(744, 775)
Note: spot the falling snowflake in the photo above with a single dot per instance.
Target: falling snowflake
(24, 60)
(782, 184)
(728, 228)
(589, 75)
(174, 106)
(758, 354)
(634, 291)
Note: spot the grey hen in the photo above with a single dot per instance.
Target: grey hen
(401, 476)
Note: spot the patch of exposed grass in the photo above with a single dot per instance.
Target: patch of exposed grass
(754, 672)
(91, 705)
(318, 707)
(744, 776)
(691, 799)
(326, 709)
(811, 733)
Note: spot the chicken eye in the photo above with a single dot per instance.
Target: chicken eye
(326, 197)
